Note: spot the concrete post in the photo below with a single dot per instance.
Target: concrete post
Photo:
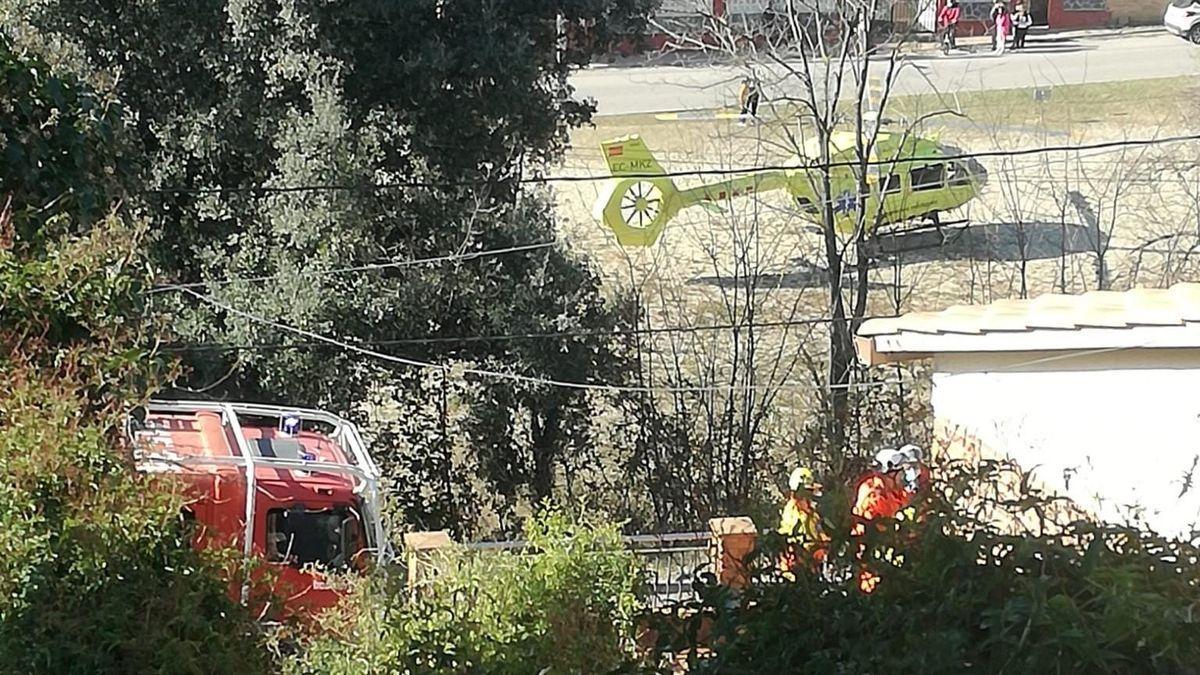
(417, 544)
(733, 541)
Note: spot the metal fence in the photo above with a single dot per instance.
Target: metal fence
(671, 563)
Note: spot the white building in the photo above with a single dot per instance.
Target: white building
(1100, 392)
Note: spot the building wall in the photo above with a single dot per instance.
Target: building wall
(1108, 428)
(999, 503)
(1069, 14)
(1137, 12)
(1065, 14)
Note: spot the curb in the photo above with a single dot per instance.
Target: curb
(921, 43)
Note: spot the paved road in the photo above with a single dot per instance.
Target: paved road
(1062, 58)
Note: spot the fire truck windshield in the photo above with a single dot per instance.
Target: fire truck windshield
(328, 538)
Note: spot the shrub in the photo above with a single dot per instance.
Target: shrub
(566, 604)
(97, 574)
(971, 595)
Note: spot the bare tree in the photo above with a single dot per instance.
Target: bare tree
(829, 69)
(714, 418)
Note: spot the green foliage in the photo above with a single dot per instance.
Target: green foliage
(566, 604)
(96, 572)
(971, 596)
(58, 148)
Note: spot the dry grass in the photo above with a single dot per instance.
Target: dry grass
(700, 244)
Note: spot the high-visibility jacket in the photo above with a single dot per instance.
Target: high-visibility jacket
(799, 519)
(800, 523)
(879, 495)
(882, 495)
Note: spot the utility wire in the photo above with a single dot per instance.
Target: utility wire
(529, 247)
(518, 336)
(335, 187)
(371, 267)
(423, 261)
(427, 365)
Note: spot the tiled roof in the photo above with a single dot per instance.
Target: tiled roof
(1097, 309)
(1100, 319)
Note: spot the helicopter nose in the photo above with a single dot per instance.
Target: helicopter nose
(977, 170)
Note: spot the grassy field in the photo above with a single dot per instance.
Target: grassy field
(1142, 104)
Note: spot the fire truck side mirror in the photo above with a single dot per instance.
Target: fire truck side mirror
(135, 421)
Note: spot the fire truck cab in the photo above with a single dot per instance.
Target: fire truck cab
(295, 489)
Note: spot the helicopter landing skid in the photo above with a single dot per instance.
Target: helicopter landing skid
(902, 240)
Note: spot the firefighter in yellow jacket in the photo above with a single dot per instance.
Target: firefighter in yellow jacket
(800, 522)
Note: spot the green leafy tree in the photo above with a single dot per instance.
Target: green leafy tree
(60, 149)
(416, 122)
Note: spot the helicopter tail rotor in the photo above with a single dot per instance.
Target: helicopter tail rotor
(640, 199)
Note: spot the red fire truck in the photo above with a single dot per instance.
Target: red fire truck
(296, 489)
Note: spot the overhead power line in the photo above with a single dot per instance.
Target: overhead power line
(509, 337)
(481, 372)
(370, 267)
(339, 187)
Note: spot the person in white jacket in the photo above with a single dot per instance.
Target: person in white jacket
(1021, 23)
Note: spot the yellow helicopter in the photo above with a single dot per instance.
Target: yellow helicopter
(910, 179)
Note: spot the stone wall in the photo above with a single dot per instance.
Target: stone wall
(1136, 12)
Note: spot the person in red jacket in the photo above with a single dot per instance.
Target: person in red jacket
(948, 21)
(887, 492)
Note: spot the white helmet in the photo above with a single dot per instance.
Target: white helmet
(887, 459)
(909, 454)
(909, 458)
(802, 476)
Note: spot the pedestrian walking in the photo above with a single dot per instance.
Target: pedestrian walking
(1021, 23)
(1004, 25)
(748, 97)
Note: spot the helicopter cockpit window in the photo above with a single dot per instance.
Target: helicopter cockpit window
(891, 183)
(960, 176)
(300, 537)
(929, 177)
